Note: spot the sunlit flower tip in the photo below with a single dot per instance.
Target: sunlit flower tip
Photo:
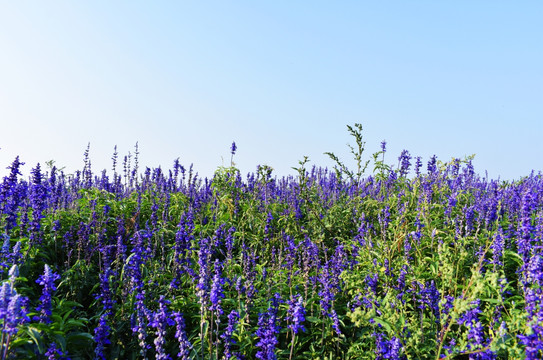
(14, 272)
(405, 162)
(47, 280)
(233, 148)
(14, 315)
(7, 243)
(296, 314)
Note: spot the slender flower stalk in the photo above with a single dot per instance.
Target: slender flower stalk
(102, 331)
(12, 311)
(226, 336)
(295, 316)
(233, 149)
(267, 332)
(160, 321)
(181, 336)
(47, 280)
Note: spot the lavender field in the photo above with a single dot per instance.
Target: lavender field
(413, 260)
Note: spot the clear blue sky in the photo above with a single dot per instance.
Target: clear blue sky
(281, 78)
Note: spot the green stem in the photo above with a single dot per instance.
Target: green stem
(292, 345)
(202, 322)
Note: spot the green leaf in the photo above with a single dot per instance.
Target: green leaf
(492, 301)
(385, 324)
(313, 319)
(515, 256)
(74, 337)
(61, 340)
(19, 342)
(36, 337)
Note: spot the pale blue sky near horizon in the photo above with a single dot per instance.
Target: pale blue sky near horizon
(282, 79)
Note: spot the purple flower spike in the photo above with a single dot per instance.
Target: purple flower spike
(233, 319)
(161, 320)
(296, 314)
(216, 293)
(181, 336)
(47, 280)
(101, 334)
(405, 162)
(267, 330)
(53, 352)
(387, 349)
(14, 315)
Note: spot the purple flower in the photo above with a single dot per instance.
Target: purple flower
(266, 333)
(9, 194)
(53, 352)
(448, 305)
(14, 315)
(204, 256)
(401, 282)
(384, 218)
(327, 291)
(229, 242)
(418, 165)
(47, 280)
(101, 334)
(476, 335)
(533, 344)
(6, 292)
(139, 317)
(372, 282)
(216, 293)
(362, 230)
(534, 270)
(296, 314)
(233, 319)
(181, 336)
(432, 165)
(160, 321)
(533, 296)
(12, 309)
(497, 248)
(405, 162)
(4, 252)
(233, 148)
(15, 256)
(13, 273)
(429, 298)
(525, 227)
(38, 195)
(387, 349)
(105, 294)
(335, 321)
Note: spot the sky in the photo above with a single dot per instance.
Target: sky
(280, 78)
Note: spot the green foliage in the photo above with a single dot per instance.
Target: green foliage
(358, 151)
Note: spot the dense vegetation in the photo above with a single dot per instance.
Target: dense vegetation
(433, 263)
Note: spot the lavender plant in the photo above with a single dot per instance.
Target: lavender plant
(415, 261)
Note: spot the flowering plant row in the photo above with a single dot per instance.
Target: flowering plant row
(405, 263)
